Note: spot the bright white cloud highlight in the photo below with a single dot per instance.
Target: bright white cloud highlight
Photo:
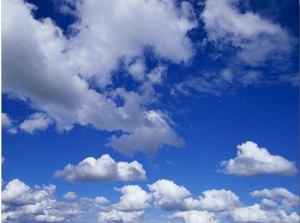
(134, 199)
(195, 216)
(102, 169)
(168, 196)
(252, 160)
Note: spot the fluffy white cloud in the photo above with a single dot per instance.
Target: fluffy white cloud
(37, 121)
(287, 199)
(147, 138)
(256, 214)
(20, 203)
(168, 196)
(70, 195)
(102, 169)
(120, 216)
(195, 216)
(53, 73)
(219, 200)
(252, 160)
(134, 199)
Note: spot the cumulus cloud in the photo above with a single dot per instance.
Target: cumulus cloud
(102, 169)
(256, 214)
(70, 195)
(252, 160)
(120, 216)
(37, 121)
(168, 195)
(219, 200)
(20, 203)
(134, 199)
(195, 216)
(55, 74)
(287, 199)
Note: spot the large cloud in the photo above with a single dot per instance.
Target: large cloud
(102, 169)
(58, 75)
(252, 160)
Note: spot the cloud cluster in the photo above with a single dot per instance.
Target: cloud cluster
(252, 160)
(20, 203)
(245, 42)
(59, 75)
(102, 169)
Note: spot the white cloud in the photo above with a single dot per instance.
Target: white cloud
(287, 199)
(120, 216)
(219, 200)
(70, 195)
(256, 39)
(6, 122)
(256, 214)
(102, 169)
(37, 121)
(20, 203)
(168, 196)
(195, 216)
(252, 160)
(134, 199)
(147, 138)
(52, 73)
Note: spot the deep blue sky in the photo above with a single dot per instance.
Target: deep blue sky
(150, 111)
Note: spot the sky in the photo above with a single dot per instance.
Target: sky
(150, 111)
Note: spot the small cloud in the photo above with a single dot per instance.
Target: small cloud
(102, 169)
(252, 161)
(70, 196)
(37, 121)
(6, 121)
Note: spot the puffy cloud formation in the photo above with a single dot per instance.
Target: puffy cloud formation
(219, 200)
(287, 199)
(131, 207)
(20, 203)
(195, 216)
(256, 214)
(59, 75)
(70, 195)
(168, 195)
(120, 216)
(134, 199)
(102, 169)
(252, 160)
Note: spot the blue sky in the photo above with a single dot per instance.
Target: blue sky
(150, 111)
